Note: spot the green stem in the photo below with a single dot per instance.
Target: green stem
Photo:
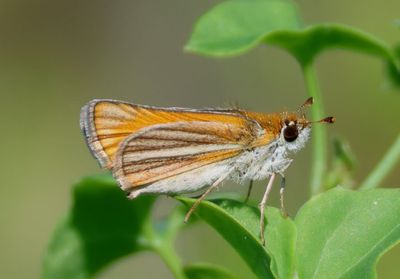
(384, 167)
(162, 245)
(319, 132)
(171, 259)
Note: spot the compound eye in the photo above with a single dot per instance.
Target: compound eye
(290, 133)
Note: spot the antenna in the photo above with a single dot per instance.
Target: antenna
(306, 104)
(326, 120)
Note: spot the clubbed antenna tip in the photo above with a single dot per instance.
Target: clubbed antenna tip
(329, 120)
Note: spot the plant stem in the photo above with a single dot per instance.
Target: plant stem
(383, 168)
(319, 136)
(171, 259)
(163, 246)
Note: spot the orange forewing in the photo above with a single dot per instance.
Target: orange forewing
(106, 123)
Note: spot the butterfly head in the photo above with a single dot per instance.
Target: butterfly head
(296, 128)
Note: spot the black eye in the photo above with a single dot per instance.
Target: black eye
(290, 133)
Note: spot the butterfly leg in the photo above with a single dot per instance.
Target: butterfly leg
(249, 191)
(212, 187)
(282, 192)
(262, 207)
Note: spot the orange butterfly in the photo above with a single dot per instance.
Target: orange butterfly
(178, 150)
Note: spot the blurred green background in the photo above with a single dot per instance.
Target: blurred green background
(57, 55)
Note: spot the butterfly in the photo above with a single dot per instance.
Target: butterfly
(152, 150)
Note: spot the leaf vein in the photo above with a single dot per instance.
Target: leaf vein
(372, 248)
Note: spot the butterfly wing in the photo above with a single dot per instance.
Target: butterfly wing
(107, 123)
(168, 150)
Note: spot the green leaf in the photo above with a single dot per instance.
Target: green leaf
(342, 233)
(234, 27)
(343, 155)
(393, 70)
(239, 225)
(207, 271)
(343, 165)
(280, 235)
(311, 41)
(103, 225)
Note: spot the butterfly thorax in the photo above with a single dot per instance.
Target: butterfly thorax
(283, 135)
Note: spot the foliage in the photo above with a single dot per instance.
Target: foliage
(337, 233)
(331, 227)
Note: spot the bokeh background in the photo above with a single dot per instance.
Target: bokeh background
(57, 55)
